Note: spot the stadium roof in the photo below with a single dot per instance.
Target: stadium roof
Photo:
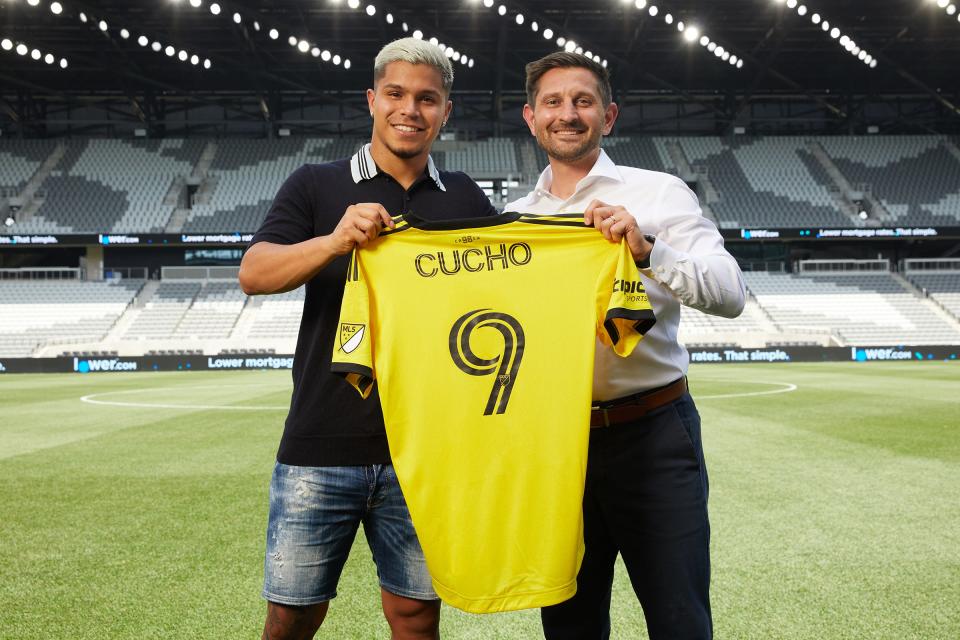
(915, 45)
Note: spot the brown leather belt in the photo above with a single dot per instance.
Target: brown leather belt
(637, 406)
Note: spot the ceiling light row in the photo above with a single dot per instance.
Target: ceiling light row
(566, 43)
(155, 45)
(300, 44)
(833, 31)
(691, 33)
(22, 49)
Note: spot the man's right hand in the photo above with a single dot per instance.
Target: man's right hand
(360, 224)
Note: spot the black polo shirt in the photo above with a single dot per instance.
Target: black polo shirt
(329, 424)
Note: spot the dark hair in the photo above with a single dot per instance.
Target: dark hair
(564, 60)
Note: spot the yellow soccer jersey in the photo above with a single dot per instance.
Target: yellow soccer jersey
(480, 334)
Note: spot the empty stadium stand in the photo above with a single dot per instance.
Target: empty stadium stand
(112, 186)
(129, 186)
(38, 313)
(765, 182)
(916, 178)
(858, 308)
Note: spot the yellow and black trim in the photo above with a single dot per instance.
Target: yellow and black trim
(643, 320)
(556, 220)
(357, 375)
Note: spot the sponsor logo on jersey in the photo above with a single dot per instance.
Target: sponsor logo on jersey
(351, 335)
(628, 286)
(490, 258)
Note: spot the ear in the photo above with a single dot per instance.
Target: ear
(528, 117)
(446, 112)
(609, 117)
(371, 95)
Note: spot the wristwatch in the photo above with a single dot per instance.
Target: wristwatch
(645, 263)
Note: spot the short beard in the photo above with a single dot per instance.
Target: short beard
(567, 154)
(406, 154)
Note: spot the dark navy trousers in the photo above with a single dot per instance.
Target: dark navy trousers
(645, 499)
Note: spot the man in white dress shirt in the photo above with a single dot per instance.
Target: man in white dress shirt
(646, 487)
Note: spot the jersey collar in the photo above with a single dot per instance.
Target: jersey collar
(603, 169)
(362, 167)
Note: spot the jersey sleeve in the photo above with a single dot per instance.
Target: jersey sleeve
(353, 344)
(623, 310)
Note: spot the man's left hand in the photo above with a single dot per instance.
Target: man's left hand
(615, 223)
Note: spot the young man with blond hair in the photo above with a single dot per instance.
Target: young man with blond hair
(333, 468)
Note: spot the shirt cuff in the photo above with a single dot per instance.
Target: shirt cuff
(662, 259)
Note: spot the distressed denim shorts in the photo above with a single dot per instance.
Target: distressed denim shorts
(314, 516)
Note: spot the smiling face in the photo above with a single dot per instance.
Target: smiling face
(568, 116)
(409, 105)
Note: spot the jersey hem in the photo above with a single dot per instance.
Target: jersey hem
(500, 604)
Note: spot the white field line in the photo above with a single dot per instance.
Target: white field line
(90, 399)
(785, 387)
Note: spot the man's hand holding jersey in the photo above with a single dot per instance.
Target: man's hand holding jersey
(360, 224)
(615, 222)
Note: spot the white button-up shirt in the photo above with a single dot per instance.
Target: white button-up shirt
(688, 266)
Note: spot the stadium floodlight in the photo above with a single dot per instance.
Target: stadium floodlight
(534, 26)
(668, 18)
(519, 18)
(502, 9)
(371, 10)
(418, 34)
(83, 17)
(23, 49)
(346, 64)
(325, 55)
(183, 56)
(143, 41)
(194, 59)
(691, 34)
(488, 3)
(389, 18)
(33, 3)
(434, 41)
(237, 18)
(6, 44)
(170, 51)
(56, 8)
(802, 10)
(215, 9)
(640, 4)
(124, 34)
(196, 3)
(353, 4)
(815, 18)
(156, 46)
(548, 34)
(103, 25)
(303, 46)
(274, 34)
(336, 58)
(653, 10)
(49, 59)
(35, 54)
(292, 41)
(315, 52)
(206, 63)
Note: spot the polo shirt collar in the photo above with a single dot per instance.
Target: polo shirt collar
(603, 169)
(362, 167)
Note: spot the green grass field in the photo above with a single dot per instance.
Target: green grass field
(835, 507)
